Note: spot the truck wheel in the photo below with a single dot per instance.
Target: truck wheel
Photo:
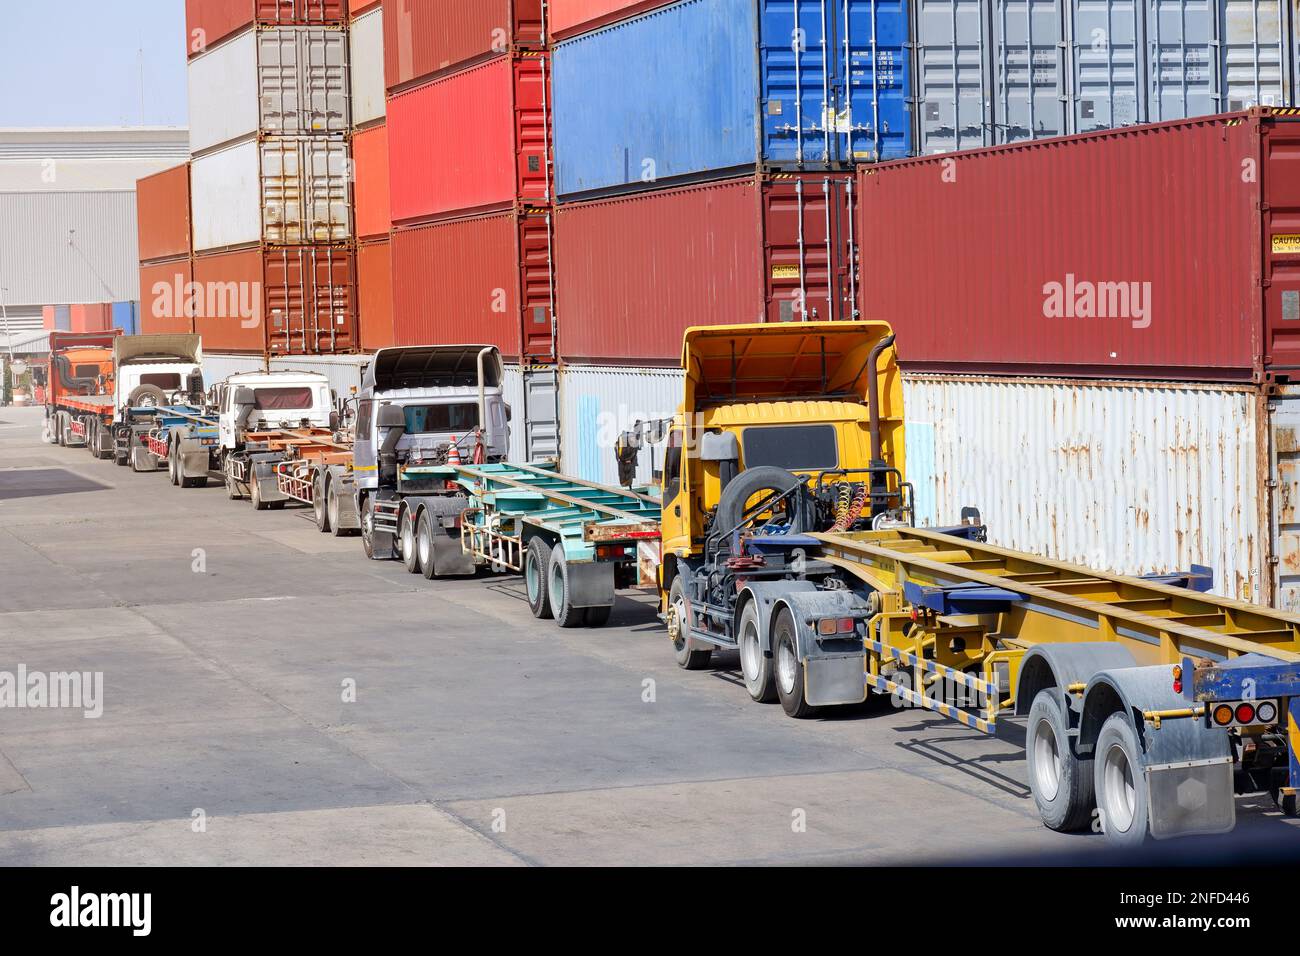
(424, 546)
(599, 616)
(255, 493)
(48, 435)
(690, 655)
(147, 396)
(1120, 782)
(121, 458)
(173, 469)
(536, 559)
(755, 660)
(410, 549)
(557, 591)
(332, 510)
(318, 505)
(788, 668)
(1061, 783)
(368, 529)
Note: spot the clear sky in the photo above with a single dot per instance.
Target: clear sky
(78, 63)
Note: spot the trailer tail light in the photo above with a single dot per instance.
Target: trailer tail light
(1178, 679)
(1244, 714)
(830, 626)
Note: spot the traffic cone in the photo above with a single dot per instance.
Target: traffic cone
(453, 455)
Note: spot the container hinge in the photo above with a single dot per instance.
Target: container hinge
(1270, 483)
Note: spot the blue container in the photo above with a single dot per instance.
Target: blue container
(703, 87)
(126, 316)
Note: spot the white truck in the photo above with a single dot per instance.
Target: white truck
(150, 373)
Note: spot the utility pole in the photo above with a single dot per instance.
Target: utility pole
(9, 342)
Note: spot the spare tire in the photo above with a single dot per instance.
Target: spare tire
(752, 481)
(147, 396)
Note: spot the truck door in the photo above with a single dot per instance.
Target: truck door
(226, 417)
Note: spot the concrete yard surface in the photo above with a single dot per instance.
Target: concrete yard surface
(271, 697)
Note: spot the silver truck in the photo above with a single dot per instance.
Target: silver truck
(422, 409)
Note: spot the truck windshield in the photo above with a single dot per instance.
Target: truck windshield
(436, 419)
(792, 447)
(283, 399)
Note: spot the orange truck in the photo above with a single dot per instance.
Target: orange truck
(78, 385)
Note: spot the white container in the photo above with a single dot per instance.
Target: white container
(1133, 478)
(598, 403)
(367, 65)
(289, 81)
(282, 191)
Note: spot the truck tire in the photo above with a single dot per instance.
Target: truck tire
(121, 458)
(332, 511)
(424, 546)
(1061, 783)
(49, 435)
(536, 560)
(368, 529)
(406, 534)
(147, 396)
(1119, 782)
(173, 465)
(255, 494)
(557, 591)
(319, 505)
(752, 481)
(755, 660)
(788, 668)
(690, 655)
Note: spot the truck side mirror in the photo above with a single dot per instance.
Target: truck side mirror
(245, 396)
(510, 414)
(391, 416)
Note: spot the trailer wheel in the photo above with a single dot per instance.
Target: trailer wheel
(755, 660)
(1120, 782)
(424, 546)
(147, 396)
(1287, 803)
(48, 435)
(410, 547)
(121, 458)
(557, 588)
(318, 505)
(1061, 782)
(690, 655)
(173, 469)
(788, 669)
(332, 511)
(536, 559)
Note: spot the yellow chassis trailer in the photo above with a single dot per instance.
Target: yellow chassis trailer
(1097, 661)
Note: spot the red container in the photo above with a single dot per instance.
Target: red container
(375, 294)
(571, 17)
(426, 37)
(91, 318)
(164, 296)
(634, 272)
(358, 7)
(370, 192)
(1134, 253)
(472, 141)
(208, 22)
(480, 279)
(295, 300)
(162, 204)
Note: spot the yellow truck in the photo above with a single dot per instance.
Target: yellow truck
(788, 533)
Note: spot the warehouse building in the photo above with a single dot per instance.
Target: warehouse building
(68, 219)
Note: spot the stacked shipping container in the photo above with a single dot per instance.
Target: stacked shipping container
(1101, 358)
(469, 120)
(270, 117)
(166, 264)
(703, 163)
(374, 220)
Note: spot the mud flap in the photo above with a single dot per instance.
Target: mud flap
(142, 459)
(590, 583)
(1193, 797)
(835, 679)
(450, 560)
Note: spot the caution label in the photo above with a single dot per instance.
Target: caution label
(1286, 245)
(792, 272)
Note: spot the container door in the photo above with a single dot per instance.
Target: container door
(800, 59)
(305, 195)
(1182, 66)
(537, 286)
(310, 306)
(1284, 454)
(810, 248)
(872, 81)
(1107, 88)
(1029, 95)
(1280, 172)
(541, 414)
(303, 81)
(1252, 52)
(952, 63)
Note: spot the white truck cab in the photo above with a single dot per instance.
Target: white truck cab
(151, 371)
